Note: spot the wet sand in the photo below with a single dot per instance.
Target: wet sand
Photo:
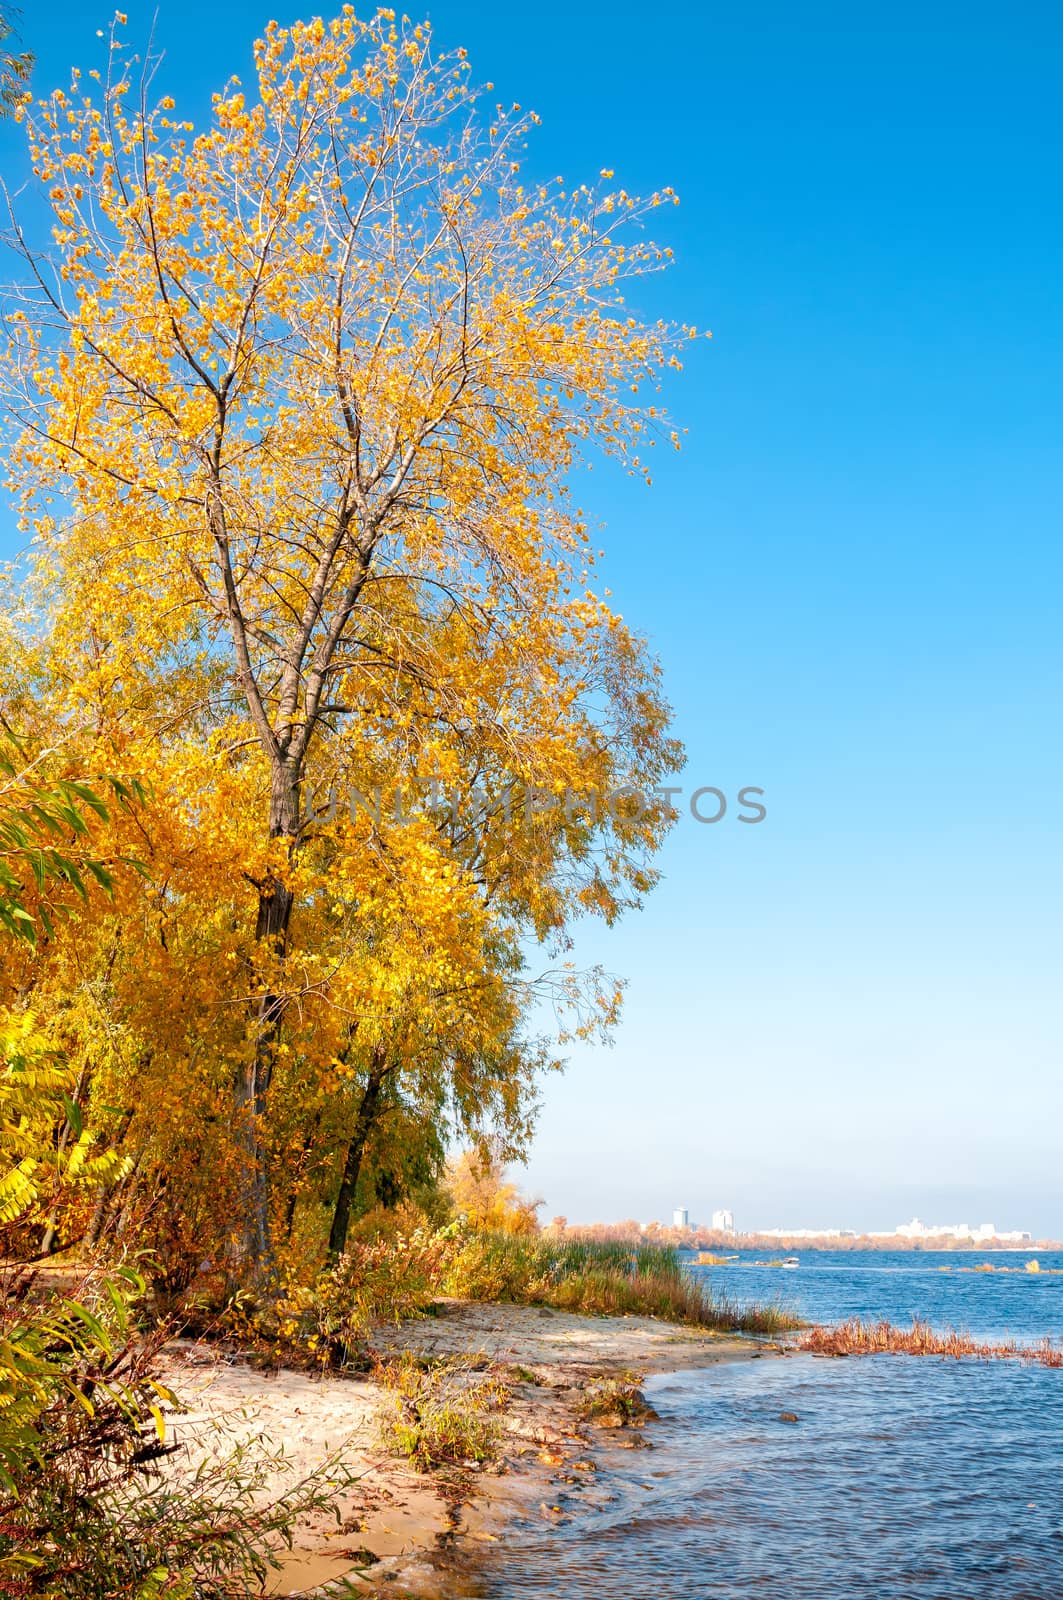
(399, 1525)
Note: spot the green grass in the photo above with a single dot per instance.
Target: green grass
(608, 1277)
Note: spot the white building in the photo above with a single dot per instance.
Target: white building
(680, 1218)
(723, 1221)
(985, 1233)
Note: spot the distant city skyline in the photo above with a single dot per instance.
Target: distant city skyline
(760, 1201)
(723, 1221)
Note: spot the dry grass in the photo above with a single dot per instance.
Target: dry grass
(857, 1338)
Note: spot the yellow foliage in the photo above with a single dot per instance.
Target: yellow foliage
(480, 1192)
(299, 403)
(35, 1101)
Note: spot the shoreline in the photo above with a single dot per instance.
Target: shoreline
(397, 1525)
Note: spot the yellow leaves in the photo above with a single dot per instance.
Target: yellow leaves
(314, 446)
(36, 1090)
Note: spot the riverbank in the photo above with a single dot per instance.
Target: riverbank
(397, 1526)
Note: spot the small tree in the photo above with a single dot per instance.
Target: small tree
(480, 1191)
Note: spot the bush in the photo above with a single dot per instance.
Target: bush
(444, 1415)
(491, 1266)
(380, 1280)
(615, 1402)
(85, 1510)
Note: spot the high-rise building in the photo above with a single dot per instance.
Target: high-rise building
(680, 1218)
(723, 1221)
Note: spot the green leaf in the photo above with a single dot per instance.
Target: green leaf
(101, 874)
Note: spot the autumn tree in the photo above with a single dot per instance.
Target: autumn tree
(297, 398)
(481, 1192)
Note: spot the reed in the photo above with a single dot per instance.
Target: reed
(609, 1277)
(858, 1338)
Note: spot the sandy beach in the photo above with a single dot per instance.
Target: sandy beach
(395, 1524)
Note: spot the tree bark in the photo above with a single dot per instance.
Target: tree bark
(367, 1111)
(293, 1191)
(254, 1245)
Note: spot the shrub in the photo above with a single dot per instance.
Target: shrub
(492, 1266)
(443, 1414)
(84, 1509)
(379, 1280)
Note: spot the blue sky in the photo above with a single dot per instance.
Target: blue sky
(852, 574)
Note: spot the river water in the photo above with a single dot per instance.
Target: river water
(902, 1478)
(943, 1287)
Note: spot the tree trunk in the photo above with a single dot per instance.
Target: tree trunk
(293, 1191)
(253, 1246)
(99, 1211)
(341, 1217)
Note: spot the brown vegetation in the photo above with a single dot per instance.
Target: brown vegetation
(857, 1338)
(615, 1402)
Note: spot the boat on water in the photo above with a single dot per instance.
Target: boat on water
(791, 1261)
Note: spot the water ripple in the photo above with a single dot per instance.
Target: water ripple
(903, 1479)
